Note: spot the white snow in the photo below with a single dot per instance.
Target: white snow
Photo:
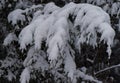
(10, 37)
(37, 60)
(26, 35)
(97, 2)
(107, 36)
(115, 8)
(16, 16)
(49, 8)
(25, 76)
(10, 76)
(86, 77)
(58, 38)
(41, 31)
(52, 25)
(70, 66)
(89, 27)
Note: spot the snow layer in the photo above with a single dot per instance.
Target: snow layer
(25, 76)
(16, 16)
(9, 39)
(52, 26)
(37, 60)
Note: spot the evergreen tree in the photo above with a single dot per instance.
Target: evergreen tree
(60, 42)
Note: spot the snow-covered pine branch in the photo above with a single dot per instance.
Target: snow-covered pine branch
(52, 25)
(20, 15)
(89, 27)
(9, 39)
(110, 6)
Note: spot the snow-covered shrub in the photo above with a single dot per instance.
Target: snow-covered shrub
(49, 42)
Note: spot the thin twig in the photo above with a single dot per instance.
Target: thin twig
(108, 68)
